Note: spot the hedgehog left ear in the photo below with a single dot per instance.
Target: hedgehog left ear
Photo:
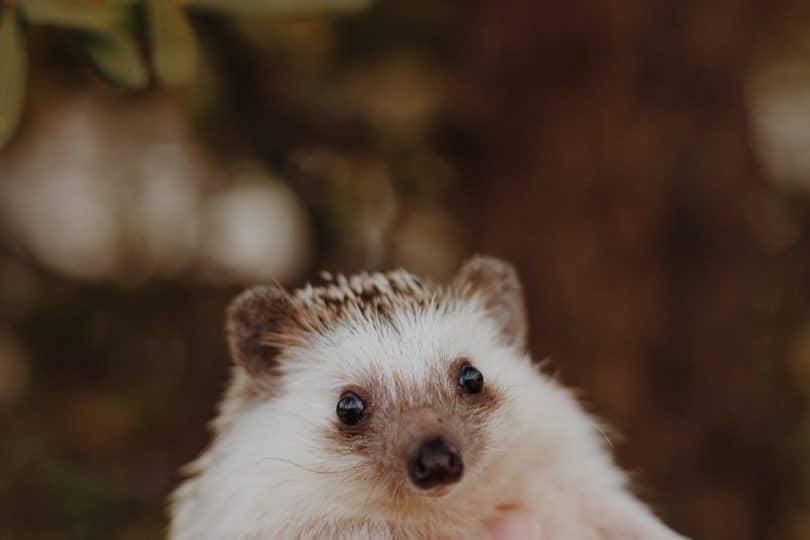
(497, 284)
(260, 321)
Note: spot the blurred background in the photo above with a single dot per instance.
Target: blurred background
(646, 165)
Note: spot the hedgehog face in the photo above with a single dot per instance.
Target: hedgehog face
(386, 389)
(411, 408)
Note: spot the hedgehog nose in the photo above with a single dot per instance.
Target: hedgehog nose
(436, 463)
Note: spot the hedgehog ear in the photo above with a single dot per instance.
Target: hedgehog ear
(258, 321)
(496, 282)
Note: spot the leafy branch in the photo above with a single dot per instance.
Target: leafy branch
(109, 32)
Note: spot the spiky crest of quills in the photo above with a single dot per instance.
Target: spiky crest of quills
(362, 296)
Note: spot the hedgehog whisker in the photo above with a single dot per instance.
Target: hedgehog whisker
(308, 469)
(603, 434)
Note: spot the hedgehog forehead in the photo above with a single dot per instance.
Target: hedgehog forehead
(411, 345)
(383, 329)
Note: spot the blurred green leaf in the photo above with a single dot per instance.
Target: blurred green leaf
(13, 64)
(79, 14)
(280, 7)
(174, 46)
(117, 56)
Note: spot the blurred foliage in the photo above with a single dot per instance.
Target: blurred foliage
(109, 30)
(12, 72)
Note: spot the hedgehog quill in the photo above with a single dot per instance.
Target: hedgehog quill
(383, 406)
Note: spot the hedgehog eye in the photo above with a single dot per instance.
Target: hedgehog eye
(350, 408)
(470, 380)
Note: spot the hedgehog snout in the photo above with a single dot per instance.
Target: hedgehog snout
(436, 462)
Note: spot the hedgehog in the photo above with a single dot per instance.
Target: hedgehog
(383, 406)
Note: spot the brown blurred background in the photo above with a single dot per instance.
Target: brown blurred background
(646, 165)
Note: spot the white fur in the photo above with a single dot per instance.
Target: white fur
(268, 475)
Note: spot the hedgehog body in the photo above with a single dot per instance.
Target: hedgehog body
(382, 406)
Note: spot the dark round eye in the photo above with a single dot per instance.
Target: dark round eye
(470, 379)
(350, 408)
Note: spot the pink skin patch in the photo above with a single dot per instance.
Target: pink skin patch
(511, 525)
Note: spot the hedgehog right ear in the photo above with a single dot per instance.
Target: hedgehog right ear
(258, 322)
(497, 284)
